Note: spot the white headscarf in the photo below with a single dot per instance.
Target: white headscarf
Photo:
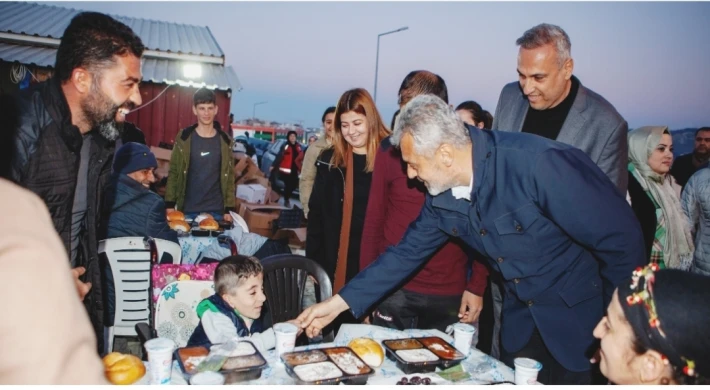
(678, 251)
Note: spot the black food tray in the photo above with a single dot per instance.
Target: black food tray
(241, 374)
(197, 232)
(446, 355)
(294, 360)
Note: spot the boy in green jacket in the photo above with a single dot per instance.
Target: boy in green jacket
(201, 177)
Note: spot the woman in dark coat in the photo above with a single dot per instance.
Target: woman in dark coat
(339, 199)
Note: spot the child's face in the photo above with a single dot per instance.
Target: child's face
(249, 297)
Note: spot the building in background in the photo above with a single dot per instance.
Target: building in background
(178, 59)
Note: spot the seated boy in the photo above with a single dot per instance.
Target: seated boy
(235, 308)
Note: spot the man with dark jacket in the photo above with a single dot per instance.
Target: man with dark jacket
(515, 199)
(686, 165)
(64, 138)
(134, 209)
(201, 177)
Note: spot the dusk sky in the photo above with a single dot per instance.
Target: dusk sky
(650, 60)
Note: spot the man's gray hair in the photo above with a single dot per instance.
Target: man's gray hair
(431, 123)
(545, 34)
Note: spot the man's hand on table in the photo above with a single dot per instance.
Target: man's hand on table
(81, 287)
(227, 218)
(471, 306)
(318, 316)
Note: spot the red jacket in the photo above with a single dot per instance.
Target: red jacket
(394, 203)
(287, 158)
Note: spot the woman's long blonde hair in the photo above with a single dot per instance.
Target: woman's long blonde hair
(358, 100)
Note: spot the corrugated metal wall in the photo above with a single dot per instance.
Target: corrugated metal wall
(171, 112)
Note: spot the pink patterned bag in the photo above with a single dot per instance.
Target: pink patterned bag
(164, 274)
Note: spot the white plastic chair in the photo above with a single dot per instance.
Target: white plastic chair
(175, 312)
(130, 261)
(168, 246)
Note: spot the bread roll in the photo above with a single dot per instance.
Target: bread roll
(176, 216)
(180, 226)
(123, 369)
(369, 351)
(209, 224)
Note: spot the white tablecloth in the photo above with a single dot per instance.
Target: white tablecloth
(386, 374)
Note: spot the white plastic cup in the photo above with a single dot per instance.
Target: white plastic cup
(208, 378)
(285, 337)
(525, 370)
(463, 337)
(160, 360)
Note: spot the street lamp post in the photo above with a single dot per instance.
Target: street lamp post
(253, 114)
(377, 59)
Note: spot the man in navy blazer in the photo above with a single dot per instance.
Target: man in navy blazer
(540, 212)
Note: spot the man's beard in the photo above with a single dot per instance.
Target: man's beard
(437, 188)
(101, 112)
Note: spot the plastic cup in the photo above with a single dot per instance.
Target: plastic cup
(285, 337)
(463, 337)
(160, 360)
(208, 378)
(525, 370)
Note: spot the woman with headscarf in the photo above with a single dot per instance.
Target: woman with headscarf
(654, 197)
(655, 330)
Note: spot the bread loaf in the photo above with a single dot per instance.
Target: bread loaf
(175, 216)
(123, 369)
(369, 351)
(180, 226)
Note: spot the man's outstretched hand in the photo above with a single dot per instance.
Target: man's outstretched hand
(320, 315)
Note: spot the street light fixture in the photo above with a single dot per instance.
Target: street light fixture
(253, 114)
(377, 60)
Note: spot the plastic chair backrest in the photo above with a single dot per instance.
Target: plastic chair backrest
(175, 313)
(284, 283)
(170, 247)
(130, 260)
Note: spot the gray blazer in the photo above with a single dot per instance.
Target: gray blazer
(592, 125)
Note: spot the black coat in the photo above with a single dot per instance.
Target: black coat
(46, 161)
(645, 211)
(326, 214)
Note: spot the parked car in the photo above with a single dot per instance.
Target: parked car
(267, 159)
(253, 144)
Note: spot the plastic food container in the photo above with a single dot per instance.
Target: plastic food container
(327, 366)
(246, 366)
(422, 354)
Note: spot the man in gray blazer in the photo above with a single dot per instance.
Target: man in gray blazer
(549, 101)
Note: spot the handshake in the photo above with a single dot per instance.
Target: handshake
(320, 315)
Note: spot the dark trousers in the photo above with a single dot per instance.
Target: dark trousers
(552, 372)
(290, 184)
(411, 310)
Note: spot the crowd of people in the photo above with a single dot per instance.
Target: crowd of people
(551, 204)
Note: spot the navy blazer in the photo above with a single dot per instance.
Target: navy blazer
(545, 217)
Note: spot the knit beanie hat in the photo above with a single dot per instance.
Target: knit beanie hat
(132, 157)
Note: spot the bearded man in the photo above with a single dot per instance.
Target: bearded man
(64, 138)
